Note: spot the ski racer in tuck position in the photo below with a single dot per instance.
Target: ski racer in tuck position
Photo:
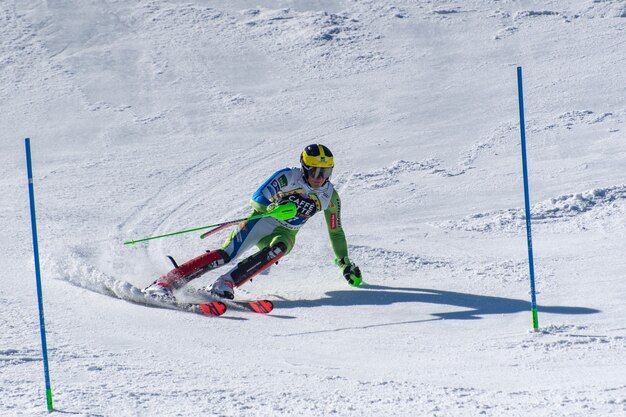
(310, 189)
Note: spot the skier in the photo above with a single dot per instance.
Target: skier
(311, 191)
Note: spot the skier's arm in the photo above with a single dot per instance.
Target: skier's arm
(268, 192)
(258, 207)
(350, 271)
(335, 231)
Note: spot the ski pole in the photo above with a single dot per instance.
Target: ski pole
(212, 231)
(283, 212)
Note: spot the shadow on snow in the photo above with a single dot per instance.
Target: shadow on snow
(473, 305)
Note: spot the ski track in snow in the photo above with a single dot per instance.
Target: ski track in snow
(333, 44)
(395, 259)
(569, 337)
(579, 211)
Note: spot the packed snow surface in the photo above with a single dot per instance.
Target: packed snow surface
(148, 117)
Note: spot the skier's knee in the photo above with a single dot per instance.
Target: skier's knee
(225, 256)
(280, 245)
(285, 245)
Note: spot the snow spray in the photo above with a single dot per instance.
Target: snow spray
(42, 326)
(533, 299)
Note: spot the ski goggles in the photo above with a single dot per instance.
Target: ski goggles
(319, 172)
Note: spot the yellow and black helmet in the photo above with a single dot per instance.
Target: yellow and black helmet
(317, 161)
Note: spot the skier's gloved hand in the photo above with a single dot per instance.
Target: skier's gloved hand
(277, 200)
(283, 211)
(350, 271)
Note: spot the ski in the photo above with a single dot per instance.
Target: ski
(208, 308)
(213, 308)
(198, 301)
(260, 306)
(255, 306)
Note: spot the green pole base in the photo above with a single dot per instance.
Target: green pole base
(49, 399)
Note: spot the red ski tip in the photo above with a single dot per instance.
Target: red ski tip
(262, 306)
(214, 308)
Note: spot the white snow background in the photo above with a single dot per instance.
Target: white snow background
(148, 117)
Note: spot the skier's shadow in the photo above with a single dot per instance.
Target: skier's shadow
(474, 306)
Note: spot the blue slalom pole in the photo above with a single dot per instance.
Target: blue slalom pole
(42, 326)
(533, 298)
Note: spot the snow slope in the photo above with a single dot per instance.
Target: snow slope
(153, 116)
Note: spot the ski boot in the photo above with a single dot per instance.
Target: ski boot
(181, 275)
(245, 270)
(159, 290)
(223, 287)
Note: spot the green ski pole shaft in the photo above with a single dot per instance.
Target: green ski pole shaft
(282, 212)
(132, 242)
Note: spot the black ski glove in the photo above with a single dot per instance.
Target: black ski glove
(350, 271)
